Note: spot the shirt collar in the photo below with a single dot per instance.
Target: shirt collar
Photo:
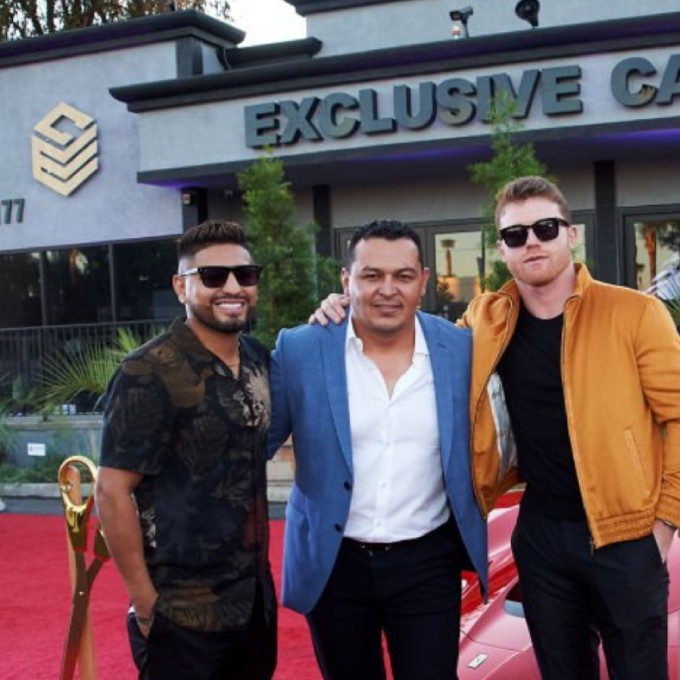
(353, 340)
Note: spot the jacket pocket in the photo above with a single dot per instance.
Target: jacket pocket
(636, 463)
(295, 516)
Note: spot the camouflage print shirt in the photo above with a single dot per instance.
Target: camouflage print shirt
(177, 416)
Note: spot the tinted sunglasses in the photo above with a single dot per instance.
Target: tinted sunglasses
(216, 276)
(546, 229)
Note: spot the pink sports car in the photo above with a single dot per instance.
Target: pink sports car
(494, 640)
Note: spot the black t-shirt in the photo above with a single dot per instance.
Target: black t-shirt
(532, 380)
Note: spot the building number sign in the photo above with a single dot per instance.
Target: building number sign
(12, 210)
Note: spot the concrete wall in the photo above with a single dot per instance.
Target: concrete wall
(81, 435)
(647, 184)
(60, 436)
(110, 205)
(456, 198)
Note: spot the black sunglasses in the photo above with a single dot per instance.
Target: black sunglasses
(546, 229)
(216, 276)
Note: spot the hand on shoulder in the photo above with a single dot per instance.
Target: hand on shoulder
(331, 309)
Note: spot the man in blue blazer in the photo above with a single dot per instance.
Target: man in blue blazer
(382, 516)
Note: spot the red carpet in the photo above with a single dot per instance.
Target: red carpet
(35, 607)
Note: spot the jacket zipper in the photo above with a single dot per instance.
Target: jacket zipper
(503, 347)
(569, 412)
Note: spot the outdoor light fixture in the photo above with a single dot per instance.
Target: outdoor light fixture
(528, 10)
(188, 197)
(460, 18)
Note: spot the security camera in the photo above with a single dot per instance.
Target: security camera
(528, 11)
(462, 14)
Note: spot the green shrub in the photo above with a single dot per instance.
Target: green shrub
(45, 470)
(510, 161)
(295, 276)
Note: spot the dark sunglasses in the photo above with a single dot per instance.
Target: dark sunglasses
(546, 229)
(216, 276)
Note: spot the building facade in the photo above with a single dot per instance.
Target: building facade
(118, 137)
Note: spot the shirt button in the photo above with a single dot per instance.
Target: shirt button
(347, 486)
(338, 528)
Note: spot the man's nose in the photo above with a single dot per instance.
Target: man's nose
(532, 239)
(231, 284)
(388, 287)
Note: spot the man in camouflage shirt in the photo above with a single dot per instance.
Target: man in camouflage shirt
(181, 490)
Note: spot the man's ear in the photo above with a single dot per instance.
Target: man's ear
(344, 280)
(426, 277)
(572, 233)
(500, 246)
(178, 285)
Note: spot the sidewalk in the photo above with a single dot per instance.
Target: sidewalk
(33, 506)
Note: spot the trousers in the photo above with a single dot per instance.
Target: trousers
(172, 652)
(408, 592)
(576, 596)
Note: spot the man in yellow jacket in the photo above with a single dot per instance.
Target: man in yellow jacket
(590, 375)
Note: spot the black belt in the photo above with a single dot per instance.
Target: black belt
(380, 548)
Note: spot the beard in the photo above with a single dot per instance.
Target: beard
(545, 275)
(206, 317)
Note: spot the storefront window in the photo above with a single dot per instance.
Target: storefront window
(458, 270)
(20, 284)
(652, 248)
(77, 285)
(144, 280)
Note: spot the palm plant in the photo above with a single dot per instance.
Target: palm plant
(6, 434)
(68, 376)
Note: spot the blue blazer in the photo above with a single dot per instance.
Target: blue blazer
(309, 400)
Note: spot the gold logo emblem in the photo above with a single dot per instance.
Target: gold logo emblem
(63, 161)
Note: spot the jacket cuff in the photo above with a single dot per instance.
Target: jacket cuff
(668, 510)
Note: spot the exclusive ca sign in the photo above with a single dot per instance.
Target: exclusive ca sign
(554, 91)
(63, 161)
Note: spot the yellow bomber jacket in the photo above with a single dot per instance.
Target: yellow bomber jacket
(621, 378)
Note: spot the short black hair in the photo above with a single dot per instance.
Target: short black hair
(210, 233)
(391, 230)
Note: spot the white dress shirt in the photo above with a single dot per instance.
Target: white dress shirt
(398, 490)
